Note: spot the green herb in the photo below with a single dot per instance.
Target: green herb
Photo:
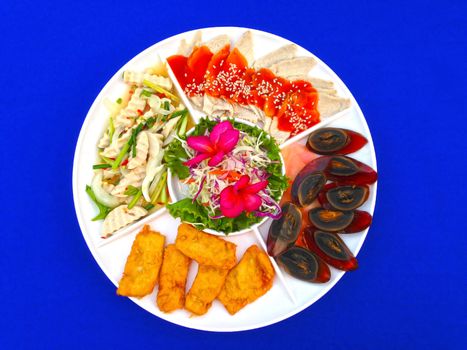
(166, 105)
(182, 128)
(131, 190)
(101, 166)
(111, 128)
(161, 185)
(163, 196)
(135, 199)
(182, 112)
(150, 122)
(103, 210)
(107, 160)
(120, 156)
(146, 93)
(160, 90)
(119, 100)
(131, 143)
(174, 156)
(134, 134)
(149, 206)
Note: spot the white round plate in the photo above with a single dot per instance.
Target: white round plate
(111, 254)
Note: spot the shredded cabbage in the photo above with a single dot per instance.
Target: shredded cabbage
(255, 155)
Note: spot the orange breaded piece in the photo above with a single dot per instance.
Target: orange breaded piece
(172, 279)
(143, 264)
(204, 248)
(206, 287)
(246, 282)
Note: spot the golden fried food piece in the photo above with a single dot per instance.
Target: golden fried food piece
(246, 282)
(206, 287)
(204, 248)
(172, 279)
(143, 264)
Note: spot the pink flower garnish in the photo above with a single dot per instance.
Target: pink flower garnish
(241, 196)
(222, 140)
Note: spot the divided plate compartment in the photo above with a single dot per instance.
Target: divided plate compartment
(111, 253)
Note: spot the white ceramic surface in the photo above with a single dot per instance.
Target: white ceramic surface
(276, 305)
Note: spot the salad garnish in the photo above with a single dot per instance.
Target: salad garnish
(222, 140)
(233, 173)
(241, 196)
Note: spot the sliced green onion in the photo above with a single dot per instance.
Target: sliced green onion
(182, 129)
(103, 210)
(119, 100)
(107, 160)
(150, 122)
(178, 113)
(149, 206)
(163, 196)
(131, 190)
(175, 114)
(157, 191)
(146, 93)
(166, 105)
(101, 166)
(160, 90)
(120, 156)
(135, 199)
(132, 140)
(111, 128)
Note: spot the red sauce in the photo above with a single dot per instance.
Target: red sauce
(213, 84)
(227, 75)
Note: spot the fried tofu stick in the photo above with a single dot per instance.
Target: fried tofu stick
(172, 280)
(142, 266)
(206, 287)
(250, 279)
(204, 248)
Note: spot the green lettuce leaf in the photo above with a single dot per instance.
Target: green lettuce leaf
(198, 215)
(174, 156)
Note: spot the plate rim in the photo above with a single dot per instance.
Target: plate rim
(93, 248)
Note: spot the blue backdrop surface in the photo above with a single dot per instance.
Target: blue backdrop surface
(405, 63)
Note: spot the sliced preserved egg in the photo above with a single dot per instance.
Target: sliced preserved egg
(330, 220)
(327, 140)
(284, 232)
(309, 188)
(331, 248)
(347, 197)
(301, 263)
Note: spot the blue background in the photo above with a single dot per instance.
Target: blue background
(405, 63)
